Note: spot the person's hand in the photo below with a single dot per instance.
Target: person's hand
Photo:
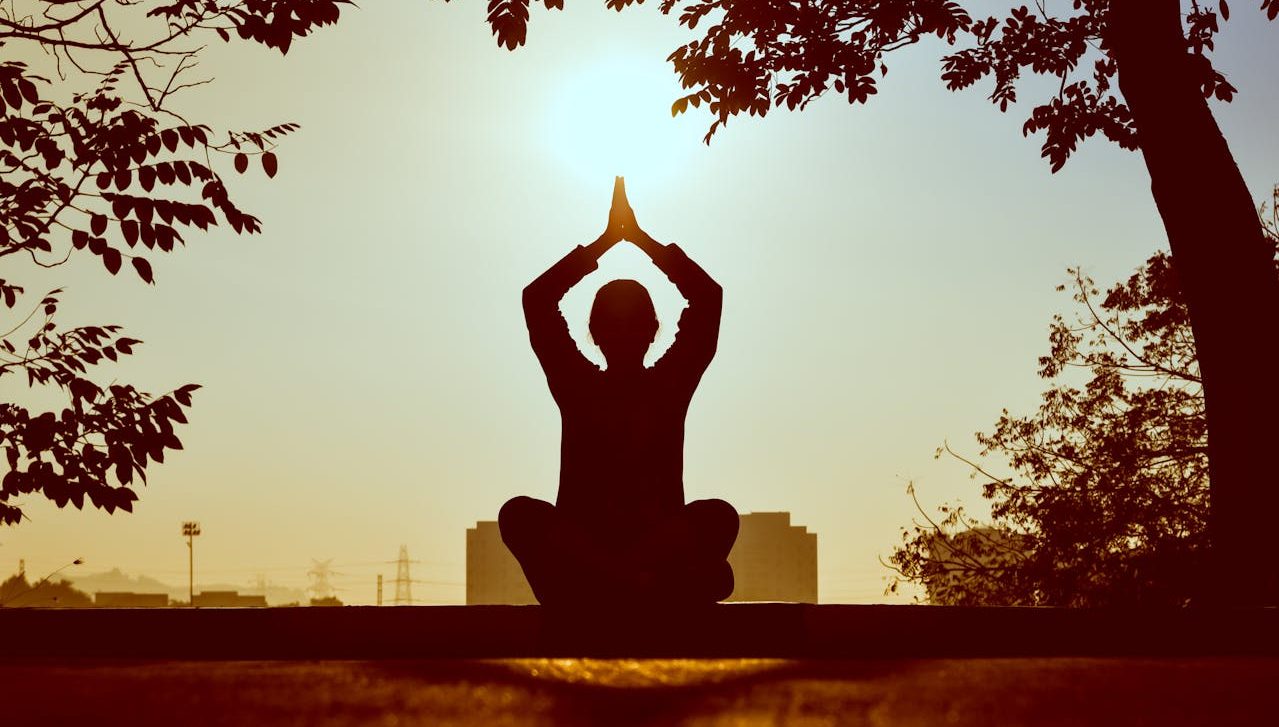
(622, 224)
(615, 230)
(625, 217)
(621, 219)
(622, 209)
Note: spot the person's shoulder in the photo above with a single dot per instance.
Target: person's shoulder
(586, 375)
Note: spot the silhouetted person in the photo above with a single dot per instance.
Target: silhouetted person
(620, 529)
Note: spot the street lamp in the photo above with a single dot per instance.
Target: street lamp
(189, 531)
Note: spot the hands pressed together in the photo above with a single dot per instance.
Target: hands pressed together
(622, 224)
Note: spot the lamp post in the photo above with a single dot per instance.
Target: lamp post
(189, 531)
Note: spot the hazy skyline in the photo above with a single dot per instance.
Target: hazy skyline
(888, 274)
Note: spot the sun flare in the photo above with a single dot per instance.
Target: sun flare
(612, 117)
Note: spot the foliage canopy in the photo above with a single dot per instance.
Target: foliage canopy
(1109, 501)
(95, 161)
(753, 57)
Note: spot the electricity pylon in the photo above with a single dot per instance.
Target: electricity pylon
(403, 583)
(319, 573)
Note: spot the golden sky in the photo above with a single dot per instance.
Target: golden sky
(888, 274)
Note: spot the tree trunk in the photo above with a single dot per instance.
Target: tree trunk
(1227, 272)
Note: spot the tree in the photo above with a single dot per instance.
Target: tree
(1110, 501)
(17, 592)
(756, 56)
(94, 160)
(973, 565)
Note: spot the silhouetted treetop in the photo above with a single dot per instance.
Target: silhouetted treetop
(95, 161)
(99, 157)
(1108, 502)
(756, 56)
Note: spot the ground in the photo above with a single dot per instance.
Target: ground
(974, 691)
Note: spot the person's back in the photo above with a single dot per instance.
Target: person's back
(621, 496)
(622, 451)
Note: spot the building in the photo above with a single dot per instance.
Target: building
(128, 599)
(772, 561)
(227, 599)
(493, 576)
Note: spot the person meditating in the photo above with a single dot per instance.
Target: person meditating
(620, 529)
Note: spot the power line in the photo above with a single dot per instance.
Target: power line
(263, 569)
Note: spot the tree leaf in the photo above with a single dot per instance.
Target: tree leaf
(111, 259)
(28, 90)
(143, 268)
(130, 230)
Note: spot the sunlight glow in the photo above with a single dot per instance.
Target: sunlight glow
(643, 673)
(613, 117)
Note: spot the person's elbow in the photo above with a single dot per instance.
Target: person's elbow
(714, 289)
(711, 294)
(533, 296)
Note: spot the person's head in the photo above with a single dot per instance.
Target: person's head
(623, 322)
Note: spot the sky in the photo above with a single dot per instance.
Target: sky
(889, 275)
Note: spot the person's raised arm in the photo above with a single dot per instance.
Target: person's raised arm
(549, 287)
(698, 333)
(694, 283)
(547, 329)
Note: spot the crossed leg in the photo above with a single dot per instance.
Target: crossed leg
(681, 559)
(551, 552)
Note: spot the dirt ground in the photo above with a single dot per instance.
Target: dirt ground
(1030, 691)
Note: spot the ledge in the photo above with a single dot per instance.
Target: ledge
(761, 630)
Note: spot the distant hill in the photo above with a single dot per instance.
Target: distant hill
(117, 580)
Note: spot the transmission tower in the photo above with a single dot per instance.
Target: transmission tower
(403, 583)
(319, 573)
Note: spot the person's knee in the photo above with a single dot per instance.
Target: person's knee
(721, 583)
(521, 518)
(717, 521)
(709, 582)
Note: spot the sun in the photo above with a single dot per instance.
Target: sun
(613, 117)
